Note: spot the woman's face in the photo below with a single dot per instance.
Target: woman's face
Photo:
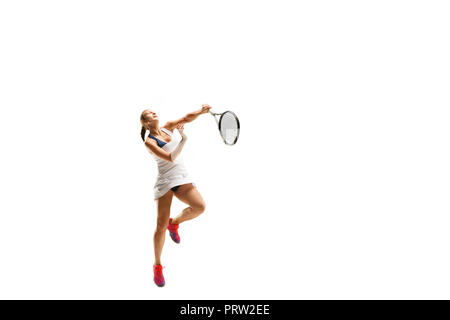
(150, 117)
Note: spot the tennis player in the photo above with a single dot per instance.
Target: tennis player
(172, 179)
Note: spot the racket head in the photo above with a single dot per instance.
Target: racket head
(229, 127)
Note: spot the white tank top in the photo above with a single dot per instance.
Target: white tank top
(167, 169)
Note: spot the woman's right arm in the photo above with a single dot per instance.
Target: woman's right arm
(155, 149)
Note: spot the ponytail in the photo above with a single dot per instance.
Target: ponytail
(143, 133)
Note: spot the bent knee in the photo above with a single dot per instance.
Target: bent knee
(200, 207)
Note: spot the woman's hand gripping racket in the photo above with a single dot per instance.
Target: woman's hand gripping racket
(229, 126)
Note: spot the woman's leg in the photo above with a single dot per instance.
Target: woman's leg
(189, 194)
(163, 206)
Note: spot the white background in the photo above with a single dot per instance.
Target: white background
(338, 186)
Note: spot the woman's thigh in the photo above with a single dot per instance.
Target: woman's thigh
(163, 207)
(189, 194)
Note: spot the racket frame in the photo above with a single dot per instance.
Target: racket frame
(219, 122)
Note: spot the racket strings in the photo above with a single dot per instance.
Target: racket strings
(229, 128)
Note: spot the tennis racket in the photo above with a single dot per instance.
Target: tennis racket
(229, 126)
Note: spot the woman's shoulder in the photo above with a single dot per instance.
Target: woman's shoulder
(165, 128)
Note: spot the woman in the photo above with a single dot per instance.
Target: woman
(173, 179)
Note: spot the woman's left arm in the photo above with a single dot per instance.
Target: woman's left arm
(191, 116)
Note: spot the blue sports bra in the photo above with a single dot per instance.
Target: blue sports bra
(159, 142)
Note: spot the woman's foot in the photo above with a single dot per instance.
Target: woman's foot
(158, 276)
(173, 231)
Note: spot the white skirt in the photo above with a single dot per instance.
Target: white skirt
(163, 185)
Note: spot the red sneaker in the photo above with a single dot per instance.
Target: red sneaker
(173, 231)
(158, 276)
